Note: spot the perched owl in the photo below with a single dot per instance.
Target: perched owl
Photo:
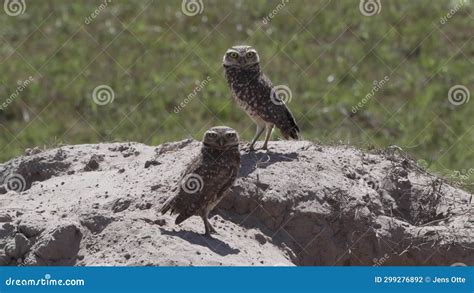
(207, 177)
(256, 95)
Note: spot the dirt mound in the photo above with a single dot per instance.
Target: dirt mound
(298, 204)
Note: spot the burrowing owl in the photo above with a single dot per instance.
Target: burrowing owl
(208, 176)
(256, 95)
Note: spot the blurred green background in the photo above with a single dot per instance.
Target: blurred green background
(153, 55)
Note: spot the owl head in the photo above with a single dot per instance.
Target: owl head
(240, 57)
(221, 137)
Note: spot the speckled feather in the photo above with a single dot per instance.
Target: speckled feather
(218, 170)
(252, 89)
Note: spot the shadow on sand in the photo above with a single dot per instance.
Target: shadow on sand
(214, 244)
(250, 161)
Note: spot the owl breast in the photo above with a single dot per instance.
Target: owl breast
(250, 109)
(251, 91)
(223, 170)
(251, 100)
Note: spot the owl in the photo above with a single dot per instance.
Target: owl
(207, 178)
(255, 94)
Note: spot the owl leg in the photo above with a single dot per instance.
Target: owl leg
(268, 133)
(260, 129)
(209, 229)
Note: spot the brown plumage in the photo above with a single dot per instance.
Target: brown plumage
(256, 95)
(207, 178)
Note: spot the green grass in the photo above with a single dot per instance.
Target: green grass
(153, 56)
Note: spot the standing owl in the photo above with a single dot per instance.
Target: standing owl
(208, 177)
(256, 95)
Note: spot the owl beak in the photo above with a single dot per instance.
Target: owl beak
(221, 142)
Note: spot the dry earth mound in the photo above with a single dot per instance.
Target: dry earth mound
(297, 204)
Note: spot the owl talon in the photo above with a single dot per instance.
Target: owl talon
(248, 148)
(210, 231)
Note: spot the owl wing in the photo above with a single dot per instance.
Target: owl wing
(286, 122)
(229, 182)
(199, 186)
(275, 110)
(178, 201)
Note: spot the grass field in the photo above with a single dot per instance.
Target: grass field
(152, 56)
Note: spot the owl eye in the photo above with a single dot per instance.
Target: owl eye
(233, 55)
(250, 54)
(231, 134)
(212, 134)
